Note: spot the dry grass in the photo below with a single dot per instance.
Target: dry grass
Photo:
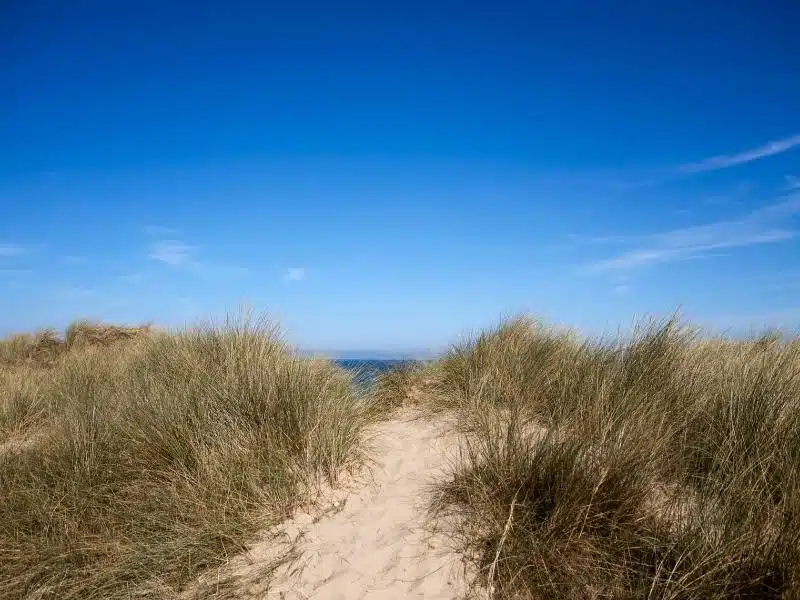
(395, 387)
(40, 348)
(46, 346)
(150, 461)
(657, 466)
(88, 333)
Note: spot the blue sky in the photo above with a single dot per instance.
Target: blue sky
(391, 175)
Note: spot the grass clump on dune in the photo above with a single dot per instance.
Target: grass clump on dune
(396, 387)
(42, 347)
(150, 461)
(654, 466)
(45, 346)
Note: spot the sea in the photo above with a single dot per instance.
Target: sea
(367, 370)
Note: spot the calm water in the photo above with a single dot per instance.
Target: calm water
(368, 370)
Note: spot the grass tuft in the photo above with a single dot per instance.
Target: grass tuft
(151, 461)
(46, 346)
(659, 465)
(397, 387)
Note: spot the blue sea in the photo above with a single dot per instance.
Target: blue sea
(367, 370)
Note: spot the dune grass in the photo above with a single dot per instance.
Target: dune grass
(655, 466)
(131, 463)
(45, 346)
(393, 388)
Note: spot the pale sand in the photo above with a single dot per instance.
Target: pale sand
(373, 539)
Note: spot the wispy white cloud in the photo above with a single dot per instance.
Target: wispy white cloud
(692, 251)
(295, 274)
(181, 255)
(792, 183)
(763, 226)
(656, 176)
(71, 259)
(171, 252)
(787, 207)
(12, 250)
(159, 230)
(725, 161)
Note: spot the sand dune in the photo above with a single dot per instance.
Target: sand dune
(371, 539)
(378, 544)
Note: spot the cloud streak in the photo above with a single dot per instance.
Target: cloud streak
(182, 256)
(622, 290)
(159, 230)
(792, 183)
(12, 250)
(295, 274)
(762, 226)
(171, 252)
(70, 259)
(725, 161)
(661, 175)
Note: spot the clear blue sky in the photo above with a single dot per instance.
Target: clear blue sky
(388, 175)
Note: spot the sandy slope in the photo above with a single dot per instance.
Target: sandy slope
(370, 539)
(377, 542)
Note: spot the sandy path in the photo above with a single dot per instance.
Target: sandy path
(376, 541)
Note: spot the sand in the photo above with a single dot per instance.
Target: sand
(372, 539)
(379, 542)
